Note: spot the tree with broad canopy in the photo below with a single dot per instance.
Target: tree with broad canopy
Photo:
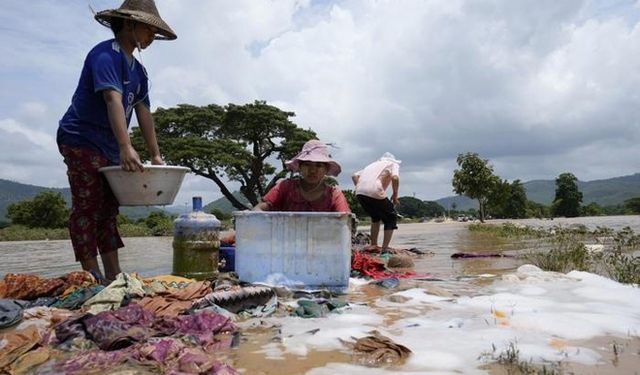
(475, 179)
(46, 210)
(236, 143)
(568, 196)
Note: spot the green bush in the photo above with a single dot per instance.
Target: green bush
(622, 267)
(46, 210)
(564, 257)
(134, 230)
(564, 249)
(508, 230)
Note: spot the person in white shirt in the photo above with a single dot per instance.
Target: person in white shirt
(371, 186)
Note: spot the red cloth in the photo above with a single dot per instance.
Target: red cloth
(374, 268)
(285, 196)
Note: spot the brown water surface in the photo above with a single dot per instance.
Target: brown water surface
(153, 255)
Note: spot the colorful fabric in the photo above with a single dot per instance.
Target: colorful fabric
(378, 350)
(10, 312)
(286, 196)
(92, 362)
(260, 300)
(17, 343)
(119, 328)
(177, 301)
(110, 298)
(113, 330)
(369, 266)
(92, 224)
(75, 300)
(27, 363)
(480, 255)
(317, 308)
(43, 317)
(86, 122)
(165, 355)
(30, 287)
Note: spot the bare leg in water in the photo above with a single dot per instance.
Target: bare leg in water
(386, 239)
(375, 229)
(111, 265)
(91, 265)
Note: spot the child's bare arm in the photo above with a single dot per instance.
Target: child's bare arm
(129, 159)
(145, 121)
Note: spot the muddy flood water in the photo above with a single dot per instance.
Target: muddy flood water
(280, 347)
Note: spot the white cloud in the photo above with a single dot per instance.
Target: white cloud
(14, 130)
(537, 87)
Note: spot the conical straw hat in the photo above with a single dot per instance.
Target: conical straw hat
(144, 11)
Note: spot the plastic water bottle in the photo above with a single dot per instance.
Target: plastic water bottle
(196, 244)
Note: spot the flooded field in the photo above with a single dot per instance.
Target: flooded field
(443, 319)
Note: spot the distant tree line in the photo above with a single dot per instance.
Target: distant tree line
(500, 198)
(47, 210)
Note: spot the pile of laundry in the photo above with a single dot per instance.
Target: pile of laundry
(369, 261)
(166, 324)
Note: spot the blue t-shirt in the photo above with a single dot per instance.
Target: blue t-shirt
(86, 122)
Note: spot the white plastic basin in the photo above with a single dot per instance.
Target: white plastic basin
(156, 186)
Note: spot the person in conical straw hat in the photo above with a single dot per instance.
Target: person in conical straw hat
(141, 11)
(93, 133)
(309, 190)
(371, 185)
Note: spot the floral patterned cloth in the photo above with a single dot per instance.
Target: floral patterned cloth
(29, 287)
(92, 224)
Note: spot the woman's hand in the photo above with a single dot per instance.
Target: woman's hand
(157, 160)
(129, 159)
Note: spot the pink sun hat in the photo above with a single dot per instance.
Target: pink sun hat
(316, 151)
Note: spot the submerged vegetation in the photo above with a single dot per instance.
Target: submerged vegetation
(510, 359)
(562, 249)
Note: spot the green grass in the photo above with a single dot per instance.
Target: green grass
(564, 250)
(565, 256)
(510, 360)
(22, 233)
(508, 230)
(622, 267)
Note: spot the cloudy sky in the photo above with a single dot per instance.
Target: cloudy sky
(538, 87)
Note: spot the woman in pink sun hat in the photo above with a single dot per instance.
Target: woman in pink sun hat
(308, 191)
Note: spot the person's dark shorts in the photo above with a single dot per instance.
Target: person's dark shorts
(380, 209)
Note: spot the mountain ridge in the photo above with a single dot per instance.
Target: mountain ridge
(605, 192)
(13, 192)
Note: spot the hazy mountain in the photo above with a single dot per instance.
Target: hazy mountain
(607, 192)
(461, 202)
(224, 205)
(221, 204)
(13, 192)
